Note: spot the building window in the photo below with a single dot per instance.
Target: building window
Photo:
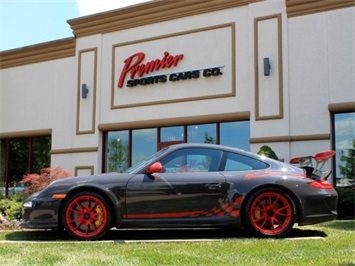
(117, 151)
(128, 147)
(144, 143)
(168, 134)
(235, 134)
(344, 142)
(205, 133)
(22, 156)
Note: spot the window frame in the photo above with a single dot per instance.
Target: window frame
(255, 161)
(336, 110)
(161, 144)
(31, 141)
(187, 152)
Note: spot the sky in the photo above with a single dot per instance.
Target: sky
(29, 22)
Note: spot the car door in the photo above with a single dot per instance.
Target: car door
(188, 187)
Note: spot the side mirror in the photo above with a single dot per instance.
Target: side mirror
(154, 168)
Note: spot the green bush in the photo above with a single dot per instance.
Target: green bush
(11, 208)
(265, 150)
(346, 203)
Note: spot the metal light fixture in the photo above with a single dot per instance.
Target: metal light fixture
(84, 91)
(267, 66)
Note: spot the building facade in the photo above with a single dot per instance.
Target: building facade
(243, 73)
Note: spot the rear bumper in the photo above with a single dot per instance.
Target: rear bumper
(318, 209)
(314, 219)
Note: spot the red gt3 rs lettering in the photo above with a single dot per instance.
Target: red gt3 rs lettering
(226, 209)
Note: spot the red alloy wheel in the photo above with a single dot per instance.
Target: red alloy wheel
(271, 213)
(87, 216)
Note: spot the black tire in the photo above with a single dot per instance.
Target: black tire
(86, 216)
(270, 212)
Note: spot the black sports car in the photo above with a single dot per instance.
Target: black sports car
(186, 185)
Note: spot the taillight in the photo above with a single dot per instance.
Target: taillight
(321, 184)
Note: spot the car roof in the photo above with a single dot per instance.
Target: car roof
(214, 146)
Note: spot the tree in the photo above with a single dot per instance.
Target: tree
(117, 156)
(209, 138)
(36, 182)
(265, 150)
(347, 167)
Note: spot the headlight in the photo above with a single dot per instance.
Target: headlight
(27, 204)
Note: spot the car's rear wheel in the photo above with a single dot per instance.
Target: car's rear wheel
(270, 213)
(86, 216)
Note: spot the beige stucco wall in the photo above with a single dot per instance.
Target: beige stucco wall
(312, 66)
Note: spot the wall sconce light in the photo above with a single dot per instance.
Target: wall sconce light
(267, 66)
(84, 91)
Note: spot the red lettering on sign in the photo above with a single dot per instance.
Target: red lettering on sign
(134, 67)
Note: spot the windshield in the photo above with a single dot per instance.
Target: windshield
(147, 161)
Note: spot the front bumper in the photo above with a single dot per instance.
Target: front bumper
(40, 213)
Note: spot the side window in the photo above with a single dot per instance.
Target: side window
(237, 162)
(192, 160)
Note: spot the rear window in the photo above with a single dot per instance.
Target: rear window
(237, 162)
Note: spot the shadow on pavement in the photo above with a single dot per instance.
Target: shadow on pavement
(154, 234)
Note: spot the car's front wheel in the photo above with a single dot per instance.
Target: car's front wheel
(86, 216)
(270, 213)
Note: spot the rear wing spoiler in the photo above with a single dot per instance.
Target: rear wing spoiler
(313, 165)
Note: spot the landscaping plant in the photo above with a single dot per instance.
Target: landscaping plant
(265, 150)
(346, 203)
(37, 182)
(10, 208)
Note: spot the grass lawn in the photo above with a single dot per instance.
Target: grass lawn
(331, 243)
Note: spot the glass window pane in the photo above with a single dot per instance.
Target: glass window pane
(201, 133)
(19, 156)
(144, 143)
(2, 166)
(172, 133)
(345, 148)
(235, 134)
(192, 160)
(117, 151)
(18, 162)
(237, 162)
(41, 158)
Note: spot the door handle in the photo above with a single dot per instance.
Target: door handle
(214, 185)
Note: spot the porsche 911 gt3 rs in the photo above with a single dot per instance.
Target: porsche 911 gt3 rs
(186, 185)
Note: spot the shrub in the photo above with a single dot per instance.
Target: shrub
(10, 208)
(265, 150)
(37, 182)
(346, 203)
(10, 211)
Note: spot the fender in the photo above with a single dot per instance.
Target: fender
(114, 201)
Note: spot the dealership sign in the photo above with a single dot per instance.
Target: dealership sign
(135, 72)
